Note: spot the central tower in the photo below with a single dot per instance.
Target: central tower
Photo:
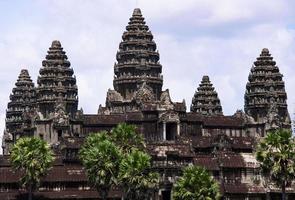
(138, 76)
(137, 60)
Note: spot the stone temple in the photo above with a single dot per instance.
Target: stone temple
(175, 137)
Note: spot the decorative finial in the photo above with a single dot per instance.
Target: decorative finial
(265, 52)
(205, 78)
(137, 12)
(24, 72)
(56, 44)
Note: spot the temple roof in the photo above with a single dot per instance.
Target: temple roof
(111, 119)
(205, 100)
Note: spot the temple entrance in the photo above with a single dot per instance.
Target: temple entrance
(171, 131)
(59, 134)
(166, 195)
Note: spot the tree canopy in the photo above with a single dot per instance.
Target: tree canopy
(118, 158)
(135, 176)
(126, 137)
(195, 183)
(101, 159)
(33, 157)
(276, 154)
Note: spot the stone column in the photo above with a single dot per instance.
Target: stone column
(164, 131)
(178, 128)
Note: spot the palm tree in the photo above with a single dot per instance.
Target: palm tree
(101, 159)
(196, 183)
(116, 159)
(125, 137)
(276, 154)
(137, 180)
(33, 157)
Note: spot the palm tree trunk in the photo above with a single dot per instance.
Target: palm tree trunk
(283, 191)
(268, 195)
(104, 194)
(30, 192)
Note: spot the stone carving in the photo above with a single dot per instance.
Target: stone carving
(113, 95)
(165, 100)
(169, 116)
(222, 142)
(273, 118)
(7, 136)
(144, 94)
(61, 117)
(79, 114)
(246, 118)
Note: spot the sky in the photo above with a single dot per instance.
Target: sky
(219, 38)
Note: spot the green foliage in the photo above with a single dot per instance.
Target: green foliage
(196, 183)
(118, 158)
(276, 154)
(101, 159)
(138, 182)
(125, 137)
(33, 157)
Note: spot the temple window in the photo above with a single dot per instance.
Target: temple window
(59, 134)
(170, 130)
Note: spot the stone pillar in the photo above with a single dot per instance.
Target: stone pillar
(178, 128)
(164, 131)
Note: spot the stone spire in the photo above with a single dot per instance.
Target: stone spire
(22, 100)
(265, 96)
(205, 100)
(137, 60)
(56, 83)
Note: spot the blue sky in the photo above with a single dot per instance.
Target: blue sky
(220, 38)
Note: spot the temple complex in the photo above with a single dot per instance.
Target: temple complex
(175, 137)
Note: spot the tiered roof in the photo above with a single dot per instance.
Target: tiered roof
(265, 90)
(205, 100)
(138, 60)
(22, 99)
(56, 82)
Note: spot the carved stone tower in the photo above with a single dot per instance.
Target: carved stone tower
(22, 100)
(265, 96)
(205, 100)
(57, 98)
(138, 60)
(56, 83)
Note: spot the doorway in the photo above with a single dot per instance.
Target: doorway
(171, 131)
(166, 195)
